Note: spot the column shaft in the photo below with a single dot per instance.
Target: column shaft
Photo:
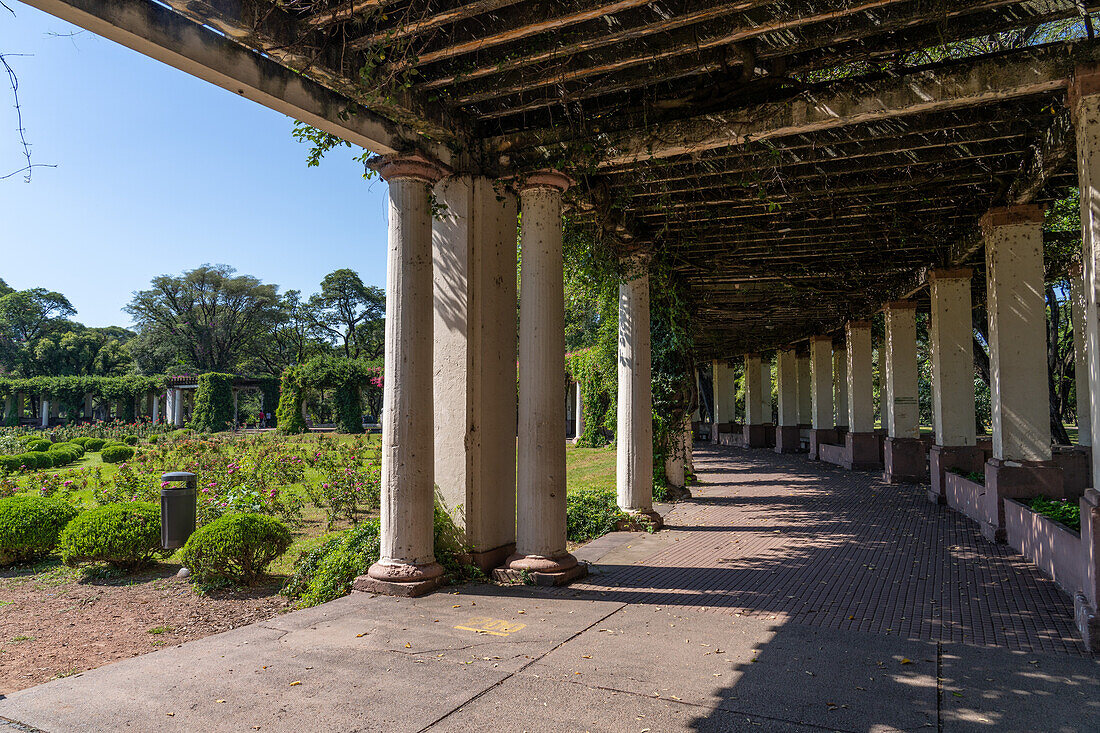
(861, 398)
(821, 384)
(952, 342)
(408, 485)
(1017, 333)
(787, 434)
(474, 353)
(1079, 307)
(840, 377)
(805, 398)
(578, 412)
(901, 373)
(540, 538)
(634, 439)
(754, 401)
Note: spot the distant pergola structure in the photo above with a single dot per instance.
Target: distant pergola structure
(802, 165)
(180, 398)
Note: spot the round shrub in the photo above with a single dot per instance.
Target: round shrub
(131, 440)
(124, 535)
(153, 439)
(93, 445)
(10, 464)
(38, 444)
(116, 453)
(235, 547)
(36, 460)
(71, 447)
(30, 525)
(80, 441)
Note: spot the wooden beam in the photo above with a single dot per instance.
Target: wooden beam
(443, 17)
(155, 31)
(1044, 159)
(984, 80)
(345, 12)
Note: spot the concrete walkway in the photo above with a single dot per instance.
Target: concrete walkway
(786, 596)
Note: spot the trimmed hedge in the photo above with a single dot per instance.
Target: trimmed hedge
(124, 535)
(235, 547)
(38, 445)
(30, 525)
(116, 453)
(131, 440)
(94, 445)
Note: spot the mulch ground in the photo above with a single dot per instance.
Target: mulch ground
(54, 623)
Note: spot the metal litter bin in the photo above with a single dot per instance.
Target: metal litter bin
(178, 502)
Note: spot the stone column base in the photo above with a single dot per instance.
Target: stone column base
(788, 439)
(904, 461)
(514, 576)
(386, 580)
(863, 451)
(1088, 624)
(942, 458)
(1015, 480)
(489, 559)
(756, 436)
(818, 437)
(648, 518)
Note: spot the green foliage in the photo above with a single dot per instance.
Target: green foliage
(39, 444)
(288, 416)
(326, 572)
(131, 440)
(126, 536)
(591, 513)
(1060, 510)
(213, 411)
(235, 547)
(116, 453)
(94, 445)
(30, 526)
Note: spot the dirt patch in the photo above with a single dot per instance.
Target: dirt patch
(53, 623)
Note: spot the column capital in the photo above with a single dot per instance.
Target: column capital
(818, 339)
(1003, 216)
(548, 178)
(1085, 83)
(636, 262)
(951, 273)
(897, 305)
(405, 166)
(852, 325)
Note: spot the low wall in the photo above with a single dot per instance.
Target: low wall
(1052, 546)
(968, 497)
(830, 453)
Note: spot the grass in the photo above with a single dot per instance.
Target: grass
(589, 468)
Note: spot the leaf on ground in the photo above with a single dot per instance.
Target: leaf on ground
(295, 682)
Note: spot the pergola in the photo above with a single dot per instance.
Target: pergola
(800, 164)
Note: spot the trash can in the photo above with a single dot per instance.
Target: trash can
(178, 501)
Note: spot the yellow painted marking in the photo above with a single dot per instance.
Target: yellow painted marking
(494, 626)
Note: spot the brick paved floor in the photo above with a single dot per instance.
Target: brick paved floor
(812, 544)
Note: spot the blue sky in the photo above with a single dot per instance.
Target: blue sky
(158, 172)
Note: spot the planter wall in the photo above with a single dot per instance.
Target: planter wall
(1053, 547)
(969, 498)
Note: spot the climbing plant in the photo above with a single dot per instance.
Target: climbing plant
(213, 411)
(288, 416)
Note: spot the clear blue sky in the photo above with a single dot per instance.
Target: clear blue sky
(158, 172)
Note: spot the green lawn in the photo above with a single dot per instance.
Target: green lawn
(590, 468)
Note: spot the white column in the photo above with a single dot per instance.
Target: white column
(786, 370)
(754, 401)
(634, 438)
(805, 397)
(474, 264)
(883, 398)
(861, 397)
(408, 486)
(821, 383)
(156, 408)
(540, 537)
(178, 418)
(45, 415)
(1079, 306)
(578, 411)
(725, 391)
(840, 377)
(766, 389)
(901, 373)
(1017, 333)
(952, 342)
(689, 446)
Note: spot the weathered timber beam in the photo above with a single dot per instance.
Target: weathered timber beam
(689, 43)
(984, 80)
(1044, 159)
(155, 31)
(344, 12)
(505, 36)
(428, 22)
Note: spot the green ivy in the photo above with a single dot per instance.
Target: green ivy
(288, 416)
(213, 411)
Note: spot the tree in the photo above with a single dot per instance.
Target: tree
(26, 314)
(208, 319)
(351, 314)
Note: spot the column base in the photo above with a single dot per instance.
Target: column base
(862, 451)
(1015, 480)
(648, 517)
(788, 439)
(489, 559)
(904, 461)
(756, 436)
(1076, 464)
(819, 437)
(943, 458)
(536, 570)
(404, 581)
(1088, 623)
(769, 436)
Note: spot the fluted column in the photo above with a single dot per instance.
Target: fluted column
(407, 563)
(634, 438)
(578, 411)
(540, 536)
